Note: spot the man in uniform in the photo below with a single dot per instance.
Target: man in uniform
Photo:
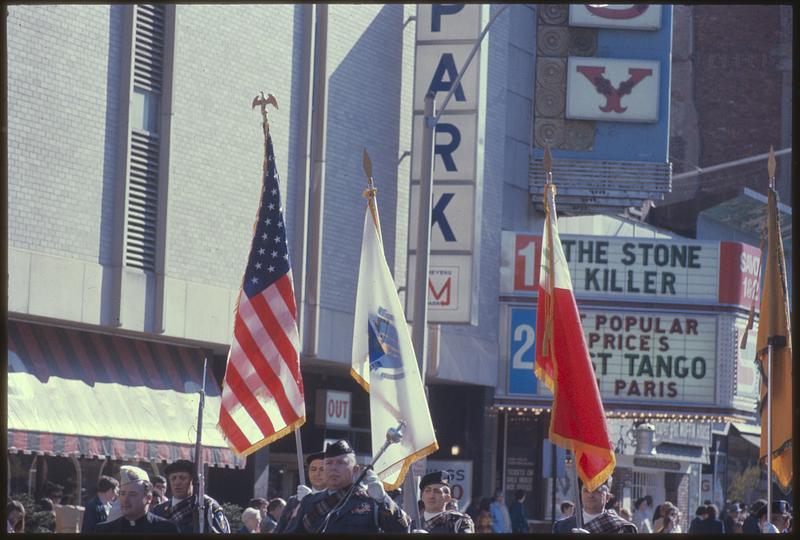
(316, 477)
(135, 495)
(182, 508)
(596, 519)
(368, 510)
(435, 493)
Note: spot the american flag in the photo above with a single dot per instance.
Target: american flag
(262, 394)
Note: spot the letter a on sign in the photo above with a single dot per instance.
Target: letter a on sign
(447, 66)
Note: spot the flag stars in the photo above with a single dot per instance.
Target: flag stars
(280, 225)
(255, 279)
(268, 221)
(274, 254)
(277, 239)
(271, 268)
(258, 266)
(271, 206)
(261, 251)
(264, 236)
(274, 191)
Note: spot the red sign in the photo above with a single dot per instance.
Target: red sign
(527, 257)
(738, 274)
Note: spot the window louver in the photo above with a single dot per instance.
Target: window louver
(142, 211)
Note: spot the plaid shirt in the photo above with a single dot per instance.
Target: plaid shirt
(449, 523)
(182, 514)
(610, 522)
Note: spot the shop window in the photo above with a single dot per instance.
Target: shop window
(643, 484)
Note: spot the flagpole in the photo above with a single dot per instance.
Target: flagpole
(263, 101)
(771, 172)
(549, 197)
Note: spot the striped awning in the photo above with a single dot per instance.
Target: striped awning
(76, 393)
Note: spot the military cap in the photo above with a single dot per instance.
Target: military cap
(734, 507)
(182, 465)
(436, 477)
(778, 507)
(313, 457)
(339, 448)
(129, 473)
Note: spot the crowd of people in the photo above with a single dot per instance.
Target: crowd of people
(334, 502)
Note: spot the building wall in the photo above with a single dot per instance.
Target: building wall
(63, 82)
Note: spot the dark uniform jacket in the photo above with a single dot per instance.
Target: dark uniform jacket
(449, 523)
(183, 515)
(94, 513)
(709, 526)
(288, 519)
(147, 524)
(750, 525)
(361, 514)
(607, 523)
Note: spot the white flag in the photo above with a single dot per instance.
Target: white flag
(384, 363)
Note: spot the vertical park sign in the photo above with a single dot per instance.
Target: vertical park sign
(446, 33)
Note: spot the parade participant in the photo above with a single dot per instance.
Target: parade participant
(368, 510)
(97, 510)
(435, 492)
(274, 509)
(596, 519)
(316, 477)
(135, 495)
(181, 508)
(781, 517)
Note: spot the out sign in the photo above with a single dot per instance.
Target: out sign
(337, 408)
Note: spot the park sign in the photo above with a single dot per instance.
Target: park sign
(446, 33)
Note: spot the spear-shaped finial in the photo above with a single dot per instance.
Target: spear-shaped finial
(771, 167)
(548, 164)
(370, 192)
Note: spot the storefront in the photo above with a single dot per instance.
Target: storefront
(663, 319)
(81, 404)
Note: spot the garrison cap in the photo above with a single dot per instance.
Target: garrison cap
(436, 477)
(339, 448)
(128, 474)
(314, 456)
(182, 465)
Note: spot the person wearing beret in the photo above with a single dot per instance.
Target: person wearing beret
(369, 510)
(135, 495)
(435, 494)
(316, 477)
(781, 516)
(181, 509)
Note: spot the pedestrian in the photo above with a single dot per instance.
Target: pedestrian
(711, 524)
(315, 463)
(369, 510)
(182, 507)
(669, 522)
(642, 514)
(251, 520)
(501, 519)
(15, 517)
(98, 508)
(625, 514)
(274, 509)
(159, 490)
(483, 523)
(135, 495)
(699, 516)
(750, 525)
(731, 516)
(435, 494)
(567, 509)
(519, 522)
(596, 519)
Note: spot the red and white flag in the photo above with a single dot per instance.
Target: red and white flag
(577, 420)
(262, 394)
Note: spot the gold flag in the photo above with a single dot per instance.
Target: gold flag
(773, 327)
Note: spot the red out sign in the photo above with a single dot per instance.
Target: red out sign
(337, 408)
